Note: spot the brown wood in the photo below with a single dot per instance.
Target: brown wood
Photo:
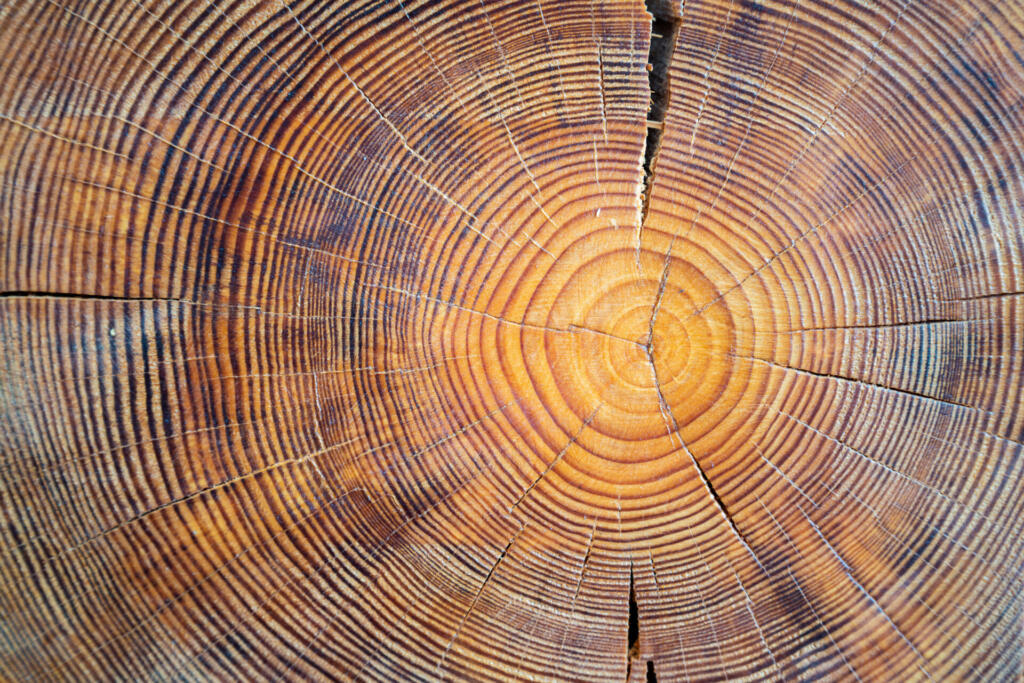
(450, 340)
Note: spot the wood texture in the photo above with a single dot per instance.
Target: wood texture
(406, 339)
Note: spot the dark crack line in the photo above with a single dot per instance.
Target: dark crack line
(983, 297)
(664, 31)
(554, 462)
(421, 296)
(672, 425)
(864, 383)
(594, 330)
(28, 294)
(633, 631)
(476, 599)
(887, 326)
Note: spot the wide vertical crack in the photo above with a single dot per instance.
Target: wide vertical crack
(664, 31)
(633, 632)
(665, 25)
(664, 34)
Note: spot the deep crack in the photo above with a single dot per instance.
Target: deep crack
(664, 31)
(633, 638)
(29, 294)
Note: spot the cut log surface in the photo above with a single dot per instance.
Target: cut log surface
(508, 339)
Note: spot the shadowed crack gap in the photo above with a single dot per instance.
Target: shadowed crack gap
(29, 294)
(633, 637)
(664, 30)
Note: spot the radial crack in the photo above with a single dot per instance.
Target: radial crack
(556, 460)
(633, 633)
(664, 31)
(672, 426)
(27, 294)
(863, 383)
(476, 599)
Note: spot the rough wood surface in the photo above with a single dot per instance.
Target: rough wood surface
(446, 340)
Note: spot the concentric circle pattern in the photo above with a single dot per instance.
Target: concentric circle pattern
(404, 339)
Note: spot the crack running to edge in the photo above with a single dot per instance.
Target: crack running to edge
(30, 294)
(664, 34)
(664, 31)
(633, 641)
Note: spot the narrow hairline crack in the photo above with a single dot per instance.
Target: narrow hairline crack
(555, 461)
(672, 425)
(476, 599)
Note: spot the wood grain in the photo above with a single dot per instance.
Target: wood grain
(494, 339)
